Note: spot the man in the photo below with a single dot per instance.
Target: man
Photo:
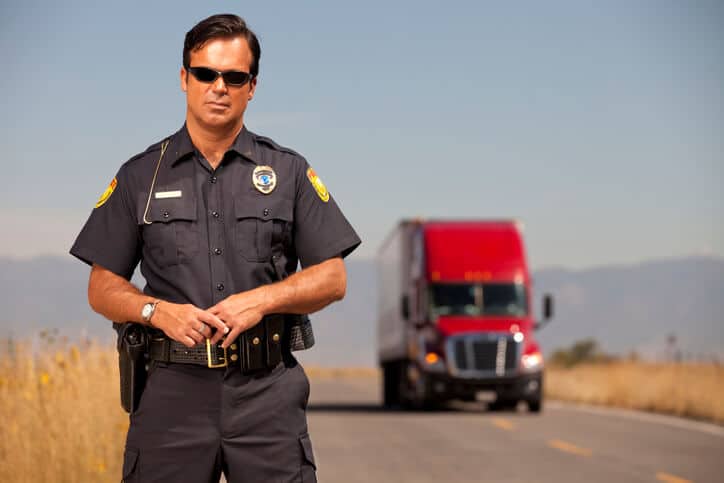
(218, 217)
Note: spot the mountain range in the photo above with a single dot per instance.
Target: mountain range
(625, 308)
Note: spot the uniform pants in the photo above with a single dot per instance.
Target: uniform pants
(193, 423)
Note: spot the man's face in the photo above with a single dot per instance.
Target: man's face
(216, 104)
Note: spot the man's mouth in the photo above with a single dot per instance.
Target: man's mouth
(218, 105)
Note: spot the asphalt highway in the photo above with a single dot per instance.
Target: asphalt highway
(355, 440)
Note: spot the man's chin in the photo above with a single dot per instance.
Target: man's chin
(216, 121)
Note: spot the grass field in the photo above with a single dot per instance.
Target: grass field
(62, 420)
(694, 390)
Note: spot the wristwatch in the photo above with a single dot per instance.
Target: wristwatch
(148, 310)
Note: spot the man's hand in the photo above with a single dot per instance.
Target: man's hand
(188, 324)
(239, 312)
(303, 292)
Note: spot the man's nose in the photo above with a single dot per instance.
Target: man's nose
(219, 85)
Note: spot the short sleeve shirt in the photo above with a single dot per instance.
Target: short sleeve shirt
(203, 234)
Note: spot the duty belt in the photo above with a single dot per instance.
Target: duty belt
(260, 347)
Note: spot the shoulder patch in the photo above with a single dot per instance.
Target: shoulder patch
(318, 185)
(107, 193)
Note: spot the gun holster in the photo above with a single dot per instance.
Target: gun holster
(132, 358)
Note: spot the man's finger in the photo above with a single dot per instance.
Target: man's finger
(195, 334)
(218, 335)
(231, 337)
(213, 321)
(188, 341)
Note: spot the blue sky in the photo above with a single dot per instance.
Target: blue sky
(600, 126)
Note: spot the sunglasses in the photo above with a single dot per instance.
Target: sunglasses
(231, 77)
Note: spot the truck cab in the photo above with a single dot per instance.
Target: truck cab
(455, 314)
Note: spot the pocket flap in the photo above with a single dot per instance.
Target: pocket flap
(264, 208)
(165, 210)
(307, 449)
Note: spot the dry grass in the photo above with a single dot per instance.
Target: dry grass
(690, 390)
(62, 420)
(341, 372)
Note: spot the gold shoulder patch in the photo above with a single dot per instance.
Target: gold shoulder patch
(107, 193)
(318, 185)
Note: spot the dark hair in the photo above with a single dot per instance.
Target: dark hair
(219, 27)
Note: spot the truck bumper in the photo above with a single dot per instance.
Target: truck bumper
(525, 386)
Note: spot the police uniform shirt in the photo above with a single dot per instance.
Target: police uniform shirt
(202, 235)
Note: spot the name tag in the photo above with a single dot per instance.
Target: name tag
(162, 195)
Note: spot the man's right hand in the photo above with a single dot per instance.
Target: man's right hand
(188, 324)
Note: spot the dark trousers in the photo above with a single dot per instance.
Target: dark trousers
(193, 423)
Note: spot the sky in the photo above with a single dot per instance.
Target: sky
(600, 125)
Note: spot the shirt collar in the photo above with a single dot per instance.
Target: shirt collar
(182, 147)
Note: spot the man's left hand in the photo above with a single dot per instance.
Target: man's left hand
(239, 312)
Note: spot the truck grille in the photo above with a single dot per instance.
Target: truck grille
(482, 355)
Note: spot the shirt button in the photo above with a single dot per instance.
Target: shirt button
(213, 179)
(220, 287)
(217, 251)
(215, 214)
(266, 211)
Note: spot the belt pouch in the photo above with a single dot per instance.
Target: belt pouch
(253, 357)
(132, 365)
(274, 331)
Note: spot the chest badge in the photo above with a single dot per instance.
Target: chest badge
(264, 179)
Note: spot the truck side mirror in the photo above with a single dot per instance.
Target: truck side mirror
(547, 306)
(405, 307)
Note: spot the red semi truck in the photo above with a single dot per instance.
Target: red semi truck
(455, 317)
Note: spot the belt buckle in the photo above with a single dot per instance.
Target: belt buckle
(209, 359)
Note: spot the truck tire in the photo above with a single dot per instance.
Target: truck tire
(390, 385)
(535, 405)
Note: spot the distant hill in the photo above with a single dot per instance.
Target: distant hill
(625, 308)
(635, 307)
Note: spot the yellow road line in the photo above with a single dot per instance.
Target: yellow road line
(569, 448)
(503, 424)
(668, 478)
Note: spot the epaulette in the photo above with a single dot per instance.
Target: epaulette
(155, 146)
(150, 149)
(272, 144)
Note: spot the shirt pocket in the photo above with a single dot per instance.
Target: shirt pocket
(172, 237)
(259, 224)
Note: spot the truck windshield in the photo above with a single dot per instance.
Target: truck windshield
(475, 300)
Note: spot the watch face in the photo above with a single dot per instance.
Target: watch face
(146, 312)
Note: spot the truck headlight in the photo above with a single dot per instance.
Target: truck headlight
(532, 361)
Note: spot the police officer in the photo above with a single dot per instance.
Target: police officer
(219, 218)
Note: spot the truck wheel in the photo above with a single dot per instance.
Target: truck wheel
(535, 405)
(390, 385)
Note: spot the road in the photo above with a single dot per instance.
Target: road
(355, 440)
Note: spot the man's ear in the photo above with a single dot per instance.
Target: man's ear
(252, 88)
(184, 75)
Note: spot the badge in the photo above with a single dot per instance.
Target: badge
(264, 179)
(318, 185)
(107, 193)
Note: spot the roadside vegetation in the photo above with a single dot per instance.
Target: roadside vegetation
(62, 420)
(584, 373)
